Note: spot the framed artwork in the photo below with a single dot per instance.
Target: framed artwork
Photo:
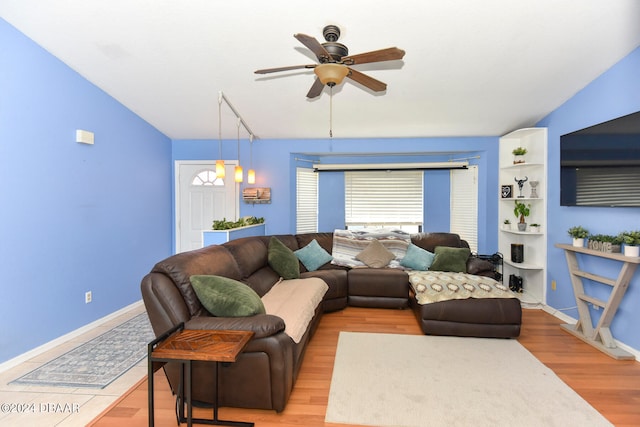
(506, 191)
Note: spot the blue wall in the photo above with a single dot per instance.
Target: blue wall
(615, 93)
(74, 217)
(275, 162)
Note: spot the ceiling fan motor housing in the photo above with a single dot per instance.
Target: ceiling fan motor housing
(331, 34)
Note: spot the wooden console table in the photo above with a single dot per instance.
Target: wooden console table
(600, 337)
(188, 345)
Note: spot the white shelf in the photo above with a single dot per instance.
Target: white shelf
(511, 199)
(527, 233)
(522, 165)
(523, 265)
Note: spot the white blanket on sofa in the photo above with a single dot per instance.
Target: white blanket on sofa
(295, 302)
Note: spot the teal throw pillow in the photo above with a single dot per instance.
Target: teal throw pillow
(282, 259)
(313, 256)
(224, 297)
(450, 259)
(417, 258)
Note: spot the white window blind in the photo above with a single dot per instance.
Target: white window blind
(464, 205)
(383, 198)
(306, 201)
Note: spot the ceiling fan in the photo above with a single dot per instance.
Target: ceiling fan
(335, 62)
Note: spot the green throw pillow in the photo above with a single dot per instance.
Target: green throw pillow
(450, 259)
(417, 258)
(224, 297)
(313, 256)
(282, 259)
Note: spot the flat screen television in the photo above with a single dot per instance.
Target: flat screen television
(600, 165)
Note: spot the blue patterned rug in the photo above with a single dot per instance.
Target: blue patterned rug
(96, 363)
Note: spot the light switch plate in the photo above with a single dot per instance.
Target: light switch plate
(84, 136)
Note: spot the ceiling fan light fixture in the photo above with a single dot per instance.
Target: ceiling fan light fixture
(331, 74)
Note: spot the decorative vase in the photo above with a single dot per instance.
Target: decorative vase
(632, 251)
(534, 192)
(518, 158)
(517, 252)
(578, 242)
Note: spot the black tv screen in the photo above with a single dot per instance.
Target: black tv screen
(600, 165)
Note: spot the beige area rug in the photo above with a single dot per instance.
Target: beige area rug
(414, 380)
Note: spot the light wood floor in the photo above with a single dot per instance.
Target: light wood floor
(610, 386)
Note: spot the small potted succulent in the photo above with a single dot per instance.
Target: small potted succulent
(518, 155)
(506, 225)
(534, 228)
(578, 233)
(631, 240)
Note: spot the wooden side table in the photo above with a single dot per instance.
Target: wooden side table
(600, 337)
(186, 346)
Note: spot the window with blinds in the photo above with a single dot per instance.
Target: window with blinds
(608, 186)
(384, 199)
(464, 205)
(306, 201)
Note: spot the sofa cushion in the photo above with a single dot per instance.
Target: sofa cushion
(375, 255)
(450, 259)
(282, 259)
(224, 297)
(417, 258)
(313, 256)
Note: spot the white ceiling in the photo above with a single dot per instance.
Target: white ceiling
(471, 67)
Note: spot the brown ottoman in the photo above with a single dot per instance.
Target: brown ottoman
(472, 317)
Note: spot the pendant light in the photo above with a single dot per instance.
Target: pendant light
(238, 169)
(251, 174)
(220, 173)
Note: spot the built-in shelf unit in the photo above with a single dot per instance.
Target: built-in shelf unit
(533, 269)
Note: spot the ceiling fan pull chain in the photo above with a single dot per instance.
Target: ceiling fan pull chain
(330, 111)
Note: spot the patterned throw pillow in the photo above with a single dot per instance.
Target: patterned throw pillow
(417, 258)
(282, 259)
(313, 256)
(375, 255)
(450, 259)
(224, 297)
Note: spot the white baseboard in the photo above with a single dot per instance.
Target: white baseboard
(570, 320)
(11, 363)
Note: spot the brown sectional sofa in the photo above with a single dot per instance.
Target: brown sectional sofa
(264, 375)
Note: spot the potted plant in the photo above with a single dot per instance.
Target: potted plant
(518, 155)
(604, 243)
(535, 228)
(578, 233)
(223, 230)
(506, 225)
(631, 240)
(521, 211)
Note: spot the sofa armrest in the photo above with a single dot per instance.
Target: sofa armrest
(262, 325)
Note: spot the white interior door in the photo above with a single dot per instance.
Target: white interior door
(200, 199)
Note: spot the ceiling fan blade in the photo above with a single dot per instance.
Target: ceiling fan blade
(389, 54)
(314, 46)
(370, 82)
(275, 70)
(316, 89)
